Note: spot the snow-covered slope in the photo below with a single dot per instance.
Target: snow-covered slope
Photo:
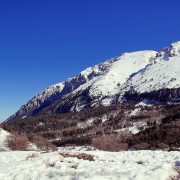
(163, 72)
(104, 88)
(57, 91)
(107, 83)
(110, 84)
(159, 81)
(3, 137)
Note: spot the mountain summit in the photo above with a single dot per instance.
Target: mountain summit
(149, 76)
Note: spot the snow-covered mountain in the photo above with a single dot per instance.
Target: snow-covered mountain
(136, 76)
(163, 72)
(160, 79)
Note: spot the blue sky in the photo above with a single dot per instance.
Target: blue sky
(43, 42)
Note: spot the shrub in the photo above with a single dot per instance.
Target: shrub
(83, 156)
(41, 143)
(49, 163)
(109, 143)
(31, 156)
(18, 142)
(163, 146)
(141, 146)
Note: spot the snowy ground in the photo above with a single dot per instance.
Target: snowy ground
(69, 163)
(129, 165)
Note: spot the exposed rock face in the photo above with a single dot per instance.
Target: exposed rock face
(161, 96)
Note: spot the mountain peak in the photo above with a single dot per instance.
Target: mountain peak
(168, 52)
(176, 44)
(175, 48)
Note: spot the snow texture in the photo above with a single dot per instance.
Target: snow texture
(129, 165)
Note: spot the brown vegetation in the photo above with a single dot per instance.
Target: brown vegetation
(161, 132)
(109, 143)
(41, 143)
(83, 156)
(18, 142)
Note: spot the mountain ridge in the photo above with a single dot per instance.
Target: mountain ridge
(108, 83)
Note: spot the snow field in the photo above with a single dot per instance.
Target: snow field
(125, 165)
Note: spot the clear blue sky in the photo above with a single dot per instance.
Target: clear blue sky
(43, 42)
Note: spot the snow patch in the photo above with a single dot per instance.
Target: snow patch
(134, 128)
(3, 137)
(135, 111)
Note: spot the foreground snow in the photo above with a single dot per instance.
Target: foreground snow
(134, 165)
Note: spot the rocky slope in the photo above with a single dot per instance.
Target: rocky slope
(149, 76)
